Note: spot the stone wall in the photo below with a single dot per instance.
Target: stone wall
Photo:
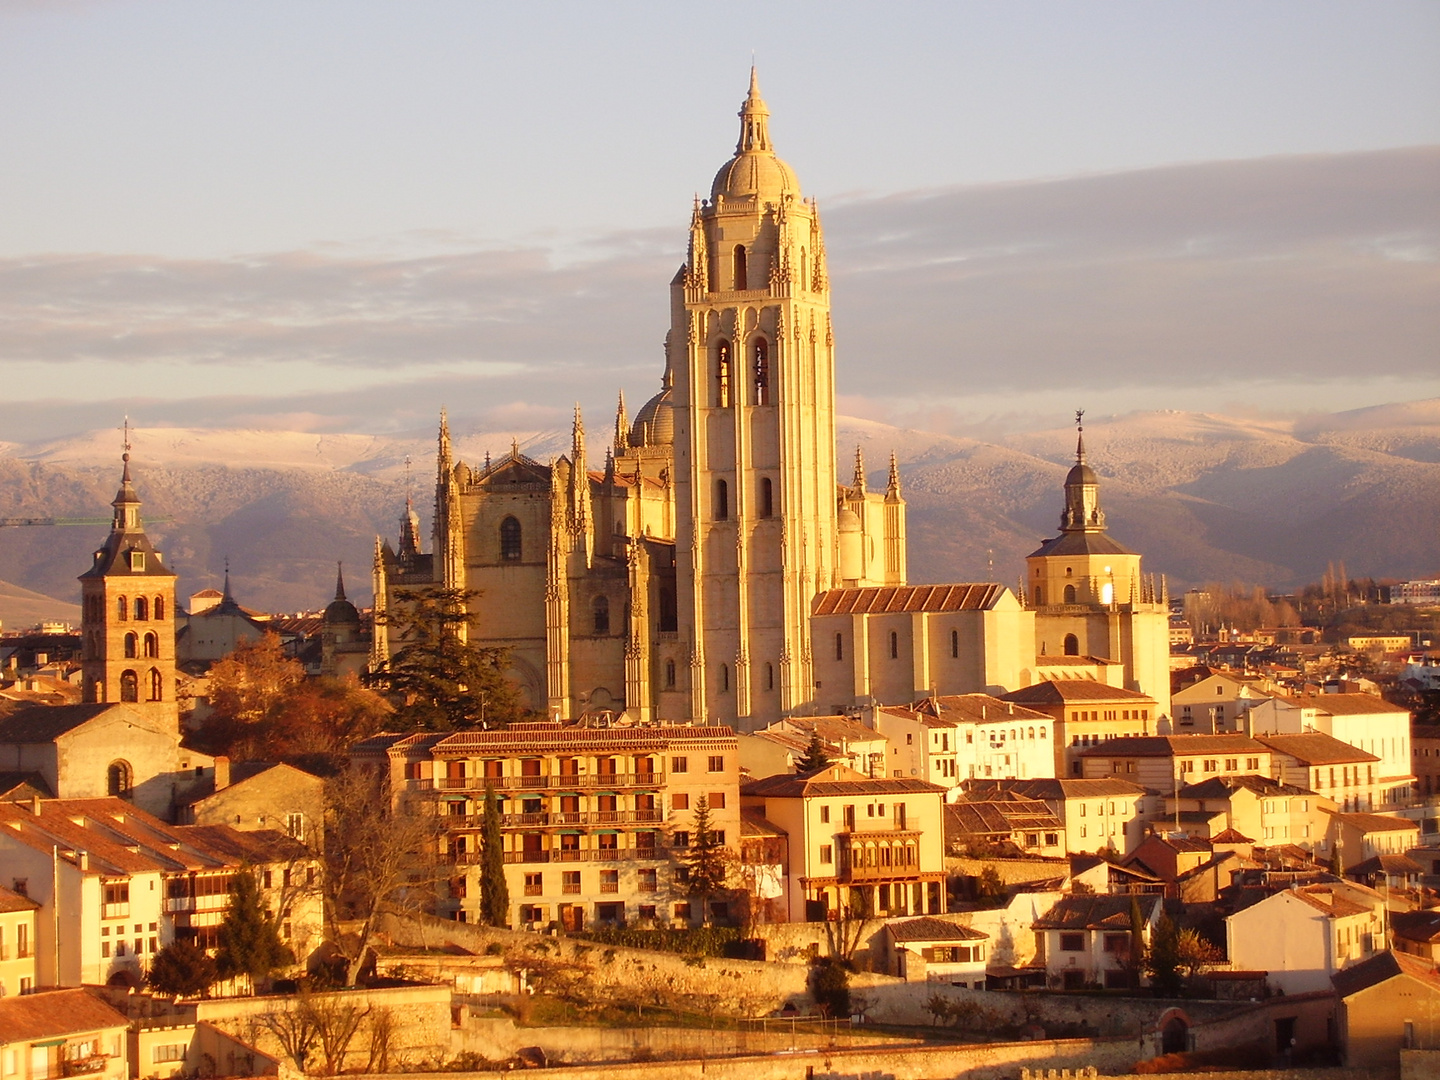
(1011, 871)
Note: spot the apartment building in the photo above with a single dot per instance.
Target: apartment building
(17, 943)
(1301, 937)
(1342, 772)
(948, 739)
(1087, 713)
(1267, 811)
(1165, 763)
(62, 1033)
(114, 885)
(1100, 814)
(596, 821)
(854, 843)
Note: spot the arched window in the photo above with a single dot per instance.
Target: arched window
(804, 271)
(510, 539)
(1039, 595)
(894, 645)
(152, 645)
(724, 678)
(767, 497)
(158, 607)
(669, 674)
(955, 644)
(130, 641)
(722, 374)
(601, 611)
(1069, 594)
(722, 500)
(1107, 593)
(839, 646)
(122, 608)
(129, 686)
(740, 275)
(760, 367)
(119, 779)
(1072, 645)
(157, 685)
(142, 609)
(769, 677)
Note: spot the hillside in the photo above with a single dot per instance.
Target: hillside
(1201, 496)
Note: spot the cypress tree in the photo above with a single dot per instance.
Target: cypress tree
(494, 893)
(815, 757)
(249, 940)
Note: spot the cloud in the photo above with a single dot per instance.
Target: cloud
(1316, 269)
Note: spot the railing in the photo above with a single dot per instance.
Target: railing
(115, 911)
(572, 855)
(879, 873)
(562, 781)
(582, 817)
(217, 902)
(81, 1066)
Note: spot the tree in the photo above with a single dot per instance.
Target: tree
(249, 939)
(494, 892)
(830, 987)
(1193, 951)
(1137, 941)
(708, 860)
(442, 682)
(1162, 959)
(380, 858)
(815, 757)
(182, 969)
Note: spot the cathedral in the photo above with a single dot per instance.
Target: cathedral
(716, 569)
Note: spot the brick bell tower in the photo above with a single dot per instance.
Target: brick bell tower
(128, 621)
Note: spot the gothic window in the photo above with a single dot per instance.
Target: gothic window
(119, 779)
(669, 674)
(157, 685)
(767, 498)
(1069, 594)
(669, 619)
(894, 645)
(158, 608)
(122, 608)
(839, 646)
(740, 276)
(955, 644)
(130, 641)
(724, 678)
(152, 645)
(769, 677)
(722, 500)
(142, 609)
(510, 539)
(1039, 595)
(761, 366)
(1072, 645)
(722, 374)
(601, 611)
(129, 686)
(804, 271)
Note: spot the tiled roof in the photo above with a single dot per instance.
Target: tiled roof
(1416, 925)
(899, 598)
(930, 929)
(1230, 836)
(1055, 788)
(1221, 787)
(836, 729)
(753, 822)
(552, 738)
(55, 1014)
(1081, 543)
(973, 818)
(1325, 898)
(1378, 822)
(46, 723)
(973, 709)
(1316, 748)
(13, 901)
(1386, 864)
(1172, 746)
(834, 780)
(1349, 704)
(22, 785)
(1094, 913)
(1064, 691)
(1380, 968)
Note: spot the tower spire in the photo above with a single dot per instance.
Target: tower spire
(442, 456)
(858, 483)
(339, 581)
(893, 489)
(754, 120)
(622, 426)
(1079, 436)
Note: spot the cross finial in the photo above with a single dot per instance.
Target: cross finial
(409, 483)
(1080, 419)
(125, 452)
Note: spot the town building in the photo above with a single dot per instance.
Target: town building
(782, 745)
(928, 949)
(856, 845)
(1266, 811)
(1166, 763)
(951, 738)
(1087, 939)
(1087, 713)
(62, 1033)
(17, 942)
(1357, 837)
(1303, 936)
(1386, 1004)
(1344, 773)
(1100, 814)
(596, 821)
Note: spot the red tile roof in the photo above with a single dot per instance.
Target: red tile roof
(1316, 748)
(1063, 691)
(55, 1014)
(885, 600)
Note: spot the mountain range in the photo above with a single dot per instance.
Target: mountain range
(1203, 497)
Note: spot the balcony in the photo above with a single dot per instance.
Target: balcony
(556, 782)
(81, 1066)
(570, 855)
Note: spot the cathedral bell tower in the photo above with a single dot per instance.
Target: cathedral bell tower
(128, 615)
(751, 360)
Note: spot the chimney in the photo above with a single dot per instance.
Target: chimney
(83, 860)
(222, 772)
(35, 805)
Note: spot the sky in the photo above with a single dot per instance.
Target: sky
(340, 215)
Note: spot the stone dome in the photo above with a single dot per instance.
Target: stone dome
(847, 520)
(1080, 473)
(655, 422)
(760, 175)
(341, 612)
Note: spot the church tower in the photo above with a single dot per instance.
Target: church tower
(1089, 596)
(750, 357)
(128, 615)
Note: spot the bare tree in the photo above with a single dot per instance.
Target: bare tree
(380, 858)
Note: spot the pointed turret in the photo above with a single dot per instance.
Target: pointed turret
(892, 488)
(857, 483)
(339, 581)
(754, 119)
(622, 426)
(1082, 489)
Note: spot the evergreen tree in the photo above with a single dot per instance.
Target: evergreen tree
(708, 860)
(1137, 941)
(815, 757)
(1163, 960)
(830, 987)
(249, 940)
(441, 681)
(182, 969)
(494, 893)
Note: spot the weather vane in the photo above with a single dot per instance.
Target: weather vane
(126, 444)
(1079, 419)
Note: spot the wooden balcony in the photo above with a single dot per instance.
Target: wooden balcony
(551, 782)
